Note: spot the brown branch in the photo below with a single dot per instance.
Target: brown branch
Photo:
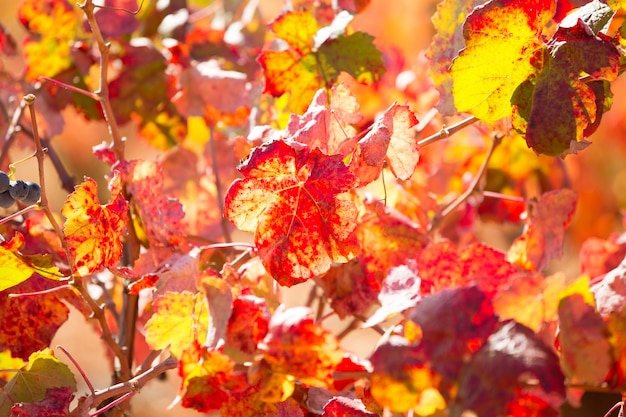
(450, 208)
(102, 92)
(133, 385)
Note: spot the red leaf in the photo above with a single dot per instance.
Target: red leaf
(296, 345)
(599, 256)
(248, 323)
(291, 198)
(30, 322)
(342, 406)
(441, 265)
(510, 356)
(117, 23)
(542, 239)
(56, 404)
(327, 122)
(161, 216)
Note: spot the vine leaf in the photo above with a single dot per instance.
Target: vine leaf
(207, 376)
(295, 345)
(218, 95)
(448, 40)
(248, 323)
(391, 139)
(583, 336)
(291, 198)
(530, 299)
(509, 356)
(31, 383)
(315, 57)
(503, 39)
(116, 23)
(400, 291)
(56, 403)
(454, 323)
(161, 216)
(346, 407)
(52, 27)
(327, 122)
(543, 235)
(442, 265)
(402, 380)
(35, 318)
(180, 319)
(610, 296)
(93, 231)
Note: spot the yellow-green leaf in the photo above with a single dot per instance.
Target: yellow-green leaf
(503, 39)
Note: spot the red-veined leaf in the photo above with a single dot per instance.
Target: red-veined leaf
(93, 231)
(291, 198)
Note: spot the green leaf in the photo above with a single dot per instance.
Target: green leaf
(42, 372)
(503, 40)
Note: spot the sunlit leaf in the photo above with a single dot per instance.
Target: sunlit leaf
(291, 198)
(295, 345)
(179, 321)
(52, 26)
(400, 291)
(160, 215)
(599, 256)
(248, 323)
(542, 239)
(35, 318)
(206, 375)
(503, 38)
(342, 406)
(530, 299)
(93, 231)
(446, 43)
(42, 372)
(306, 65)
(583, 337)
(402, 379)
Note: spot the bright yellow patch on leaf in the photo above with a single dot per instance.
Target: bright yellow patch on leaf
(416, 392)
(502, 40)
(93, 231)
(179, 320)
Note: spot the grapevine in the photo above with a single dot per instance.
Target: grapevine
(252, 154)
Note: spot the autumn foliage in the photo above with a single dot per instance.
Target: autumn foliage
(272, 171)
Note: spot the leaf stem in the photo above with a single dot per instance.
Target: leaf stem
(80, 369)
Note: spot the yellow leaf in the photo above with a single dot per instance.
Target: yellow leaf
(503, 38)
(179, 320)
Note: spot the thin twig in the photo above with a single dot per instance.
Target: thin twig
(446, 132)
(218, 186)
(472, 187)
(77, 90)
(14, 127)
(80, 369)
(132, 385)
(102, 92)
(19, 213)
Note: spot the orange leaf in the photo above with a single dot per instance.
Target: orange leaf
(93, 231)
(292, 199)
(295, 345)
(542, 239)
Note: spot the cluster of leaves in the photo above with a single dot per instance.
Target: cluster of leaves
(369, 210)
